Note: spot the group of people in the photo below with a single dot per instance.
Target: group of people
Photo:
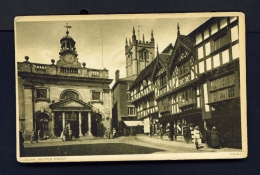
(36, 137)
(212, 135)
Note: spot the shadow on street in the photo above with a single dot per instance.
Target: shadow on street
(89, 149)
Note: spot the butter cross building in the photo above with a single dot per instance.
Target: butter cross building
(68, 93)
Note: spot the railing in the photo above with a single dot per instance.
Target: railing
(66, 70)
(95, 73)
(40, 67)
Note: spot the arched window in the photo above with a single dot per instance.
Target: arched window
(69, 94)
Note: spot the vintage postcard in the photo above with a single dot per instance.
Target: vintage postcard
(130, 87)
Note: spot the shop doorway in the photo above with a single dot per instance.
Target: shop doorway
(41, 124)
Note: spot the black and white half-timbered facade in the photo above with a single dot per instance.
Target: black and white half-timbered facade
(194, 82)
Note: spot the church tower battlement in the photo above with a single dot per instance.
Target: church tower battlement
(139, 53)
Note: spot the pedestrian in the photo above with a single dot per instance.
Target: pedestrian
(34, 137)
(39, 134)
(61, 136)
(214, 137)
(70, 134)
(186, 132)
(197, 137)
(21, 142)
(66, 133)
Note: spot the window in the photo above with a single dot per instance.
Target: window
(128, 97)
(232, 19)
(225, 56)
(234, 33)
(41, 93)
(131, 111)
(206, 33)
(187, 96)
(235, 51)
(69, 94)
(221, 41)
(208, 61)
(201, 66)
(207, 48)
(96, 95)
(162, 80)
(184, 69)
(223, 23)
(200, 52)
(214, 28)
(216, 61)
(198, 38)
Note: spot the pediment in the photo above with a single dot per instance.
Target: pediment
(71, 104)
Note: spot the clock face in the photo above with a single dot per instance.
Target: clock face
(69, 58)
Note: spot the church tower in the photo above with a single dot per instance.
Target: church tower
(68, 53)
(139, 53)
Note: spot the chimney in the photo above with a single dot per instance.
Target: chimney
(117, 75)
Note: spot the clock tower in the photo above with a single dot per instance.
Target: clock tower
(68, 53)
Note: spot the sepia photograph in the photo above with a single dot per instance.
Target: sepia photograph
(130, 87)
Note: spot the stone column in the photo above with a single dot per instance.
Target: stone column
(80, 131)
(89, 124)
(63, 120)
(28, 112)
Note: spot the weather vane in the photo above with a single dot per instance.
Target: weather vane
(67, 26)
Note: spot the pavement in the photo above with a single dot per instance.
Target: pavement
(181, 144)
(154, 140)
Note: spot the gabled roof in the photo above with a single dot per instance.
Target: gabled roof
(71, 104)
(166, 59)
(144, 73)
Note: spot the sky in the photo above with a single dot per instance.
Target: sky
(39, 38)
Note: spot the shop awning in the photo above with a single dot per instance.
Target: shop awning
(134, 123)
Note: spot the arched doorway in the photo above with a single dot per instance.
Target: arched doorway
(42, 124)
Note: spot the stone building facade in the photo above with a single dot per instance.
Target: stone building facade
(51, 96)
